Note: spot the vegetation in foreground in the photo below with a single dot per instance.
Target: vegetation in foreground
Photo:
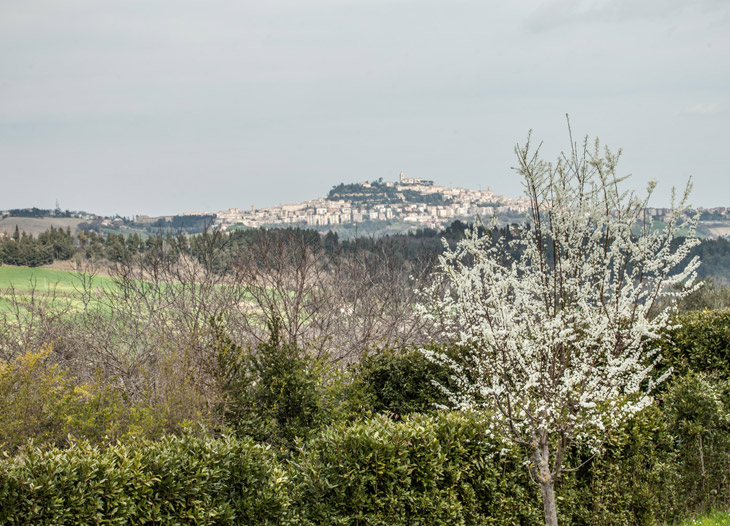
(388, 468)
(341, 443)
(284, 381)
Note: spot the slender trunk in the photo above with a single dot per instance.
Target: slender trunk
(702, 460)
(545, 479)
(548, 501)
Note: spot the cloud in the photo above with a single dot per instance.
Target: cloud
(702, 108)
(552, 14)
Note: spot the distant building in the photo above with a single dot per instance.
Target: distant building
(414, 180)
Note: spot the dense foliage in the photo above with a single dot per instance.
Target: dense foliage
(700, 342)
(437, 469)
(400, 381)
(273, 393)
(187, 223)
(174, 480)
(24, 250)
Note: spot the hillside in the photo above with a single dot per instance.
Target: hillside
(36, 225)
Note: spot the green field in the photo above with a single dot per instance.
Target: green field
(24, 280)
(62, 285)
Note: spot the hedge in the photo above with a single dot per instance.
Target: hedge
(424, 470)
(699, 341)
(437, 470)
(175, 480)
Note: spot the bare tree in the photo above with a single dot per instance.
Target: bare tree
(33, 317)
(333, 304)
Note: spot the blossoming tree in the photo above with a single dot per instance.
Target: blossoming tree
(555, 322)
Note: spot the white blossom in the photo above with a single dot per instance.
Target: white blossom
(554, 324)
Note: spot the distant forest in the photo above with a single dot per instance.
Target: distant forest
(378, 193)
(40, 212)
(189, 224)
(419, 248)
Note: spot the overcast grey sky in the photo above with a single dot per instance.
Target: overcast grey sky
(165, 106)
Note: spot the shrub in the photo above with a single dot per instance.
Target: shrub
(40, 401)
(36, 399)
(699, 341)
(273, 393)
(176, 480)
(434, 470)
(696, 412)
(632, 481)
(401, 381)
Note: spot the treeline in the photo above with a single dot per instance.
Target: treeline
(116, 247)
(188, 224)
(25, 250)
(40, 212)
(417, 248)
(715, 257)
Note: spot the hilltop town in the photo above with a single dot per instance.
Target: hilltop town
(349, 209)
(413, 202)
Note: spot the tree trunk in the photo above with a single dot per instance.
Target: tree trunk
(548, 501)
(544, 477)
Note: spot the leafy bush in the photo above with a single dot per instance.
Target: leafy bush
(696, 412)
(36, 399)
(176, 480)
(400, 381)
(273, 393)
(700, 341)
(436, 470)
(41, 402)
(632, 480)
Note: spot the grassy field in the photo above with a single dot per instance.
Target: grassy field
(66, 285)
(713, 519)
(24, 280)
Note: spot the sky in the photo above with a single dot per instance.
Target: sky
(160, 107)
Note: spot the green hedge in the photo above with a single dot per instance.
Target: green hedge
(186, 480)
(442, 470)
(439, 469)
(700, 342)
(423, 470)
(633, 480)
